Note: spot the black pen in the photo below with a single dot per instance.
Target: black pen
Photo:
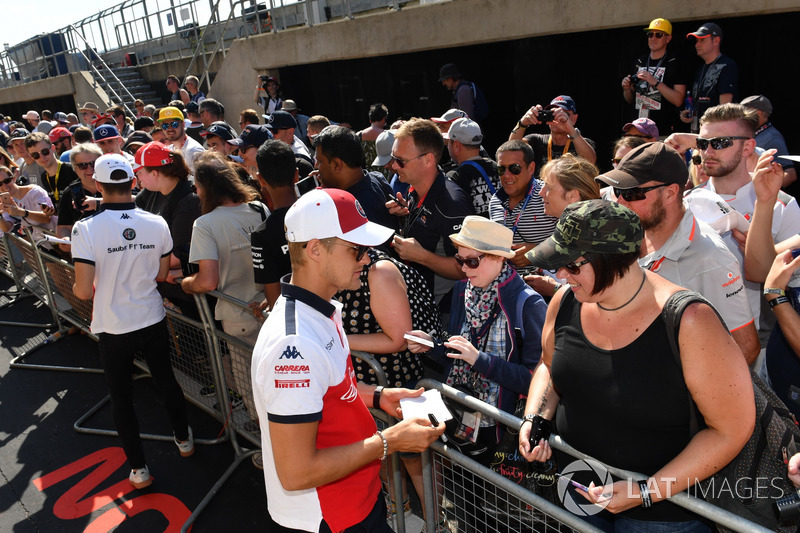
(436, 424)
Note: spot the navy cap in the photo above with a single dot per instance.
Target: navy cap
(564, 102)
(221, 129)
(60, 116)
(106, 131)
(252, 135)
(192, 107)
(280, 120)
(19, 133)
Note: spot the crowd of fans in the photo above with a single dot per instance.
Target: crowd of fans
(479, 244)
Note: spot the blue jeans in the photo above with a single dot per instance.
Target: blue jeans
(619, 524)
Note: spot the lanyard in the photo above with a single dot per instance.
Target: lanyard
(550, 148)
(54, 186)
(522, 210)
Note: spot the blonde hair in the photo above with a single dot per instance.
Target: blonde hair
(574, 173)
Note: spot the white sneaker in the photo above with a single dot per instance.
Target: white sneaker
(140, 478)
(186, 447)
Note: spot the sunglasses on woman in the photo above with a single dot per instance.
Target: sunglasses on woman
(572, 267)
(636, 194)
(718, 143)
(45, 152)
(514, 169)
(471, 262)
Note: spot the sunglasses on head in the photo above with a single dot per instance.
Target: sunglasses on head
(515, 169)
(471, 262)
(718, 143)
(84, 166)
(656, 34)
(7, 180)
(636, 193)
(403, 162)
(175, 124)
(45, 152)
(572, 267)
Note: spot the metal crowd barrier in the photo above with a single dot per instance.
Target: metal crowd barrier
(8, 269)
(449, 474)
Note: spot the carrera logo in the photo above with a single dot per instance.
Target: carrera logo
(292, 369)
(731, 279)
(292, 383)
(290, 353)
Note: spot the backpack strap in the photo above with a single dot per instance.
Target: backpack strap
(673, 311)
(258, 208)
(483, 173)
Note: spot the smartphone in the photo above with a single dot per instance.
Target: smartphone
(420, 340)
(305, 185)
(78, 196)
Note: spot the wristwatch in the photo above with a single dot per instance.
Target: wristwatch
(376, 397)
(774, 290)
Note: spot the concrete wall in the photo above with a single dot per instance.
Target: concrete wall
(419, 28)
(76, 84)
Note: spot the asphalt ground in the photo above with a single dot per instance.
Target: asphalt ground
(54, 479)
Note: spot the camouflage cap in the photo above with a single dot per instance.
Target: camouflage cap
(597, 226)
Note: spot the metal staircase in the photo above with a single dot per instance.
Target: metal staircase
(128, 81)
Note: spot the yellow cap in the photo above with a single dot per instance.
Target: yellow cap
(660, 25)
(170, 113)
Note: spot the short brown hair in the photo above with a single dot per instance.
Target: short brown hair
(36, 137)
(425, 134)
(250, 116)
(746, 117)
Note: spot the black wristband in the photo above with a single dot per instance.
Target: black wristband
(778, 301)
(644, 492)
(540, 429)
(376, 397)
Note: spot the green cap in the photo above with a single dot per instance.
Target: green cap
(597, 226)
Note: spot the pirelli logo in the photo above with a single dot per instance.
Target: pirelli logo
(292, 383)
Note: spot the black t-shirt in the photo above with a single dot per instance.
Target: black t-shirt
(472, 181)
(270, 250)
(538, 142)
(720, 77)
(671, 71)
(67, 214)
(372, 192)
(180, 208)
(440, 215)
(55, 184)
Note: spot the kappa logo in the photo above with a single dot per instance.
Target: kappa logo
(290, 353)
(129, 234)
(125, 216)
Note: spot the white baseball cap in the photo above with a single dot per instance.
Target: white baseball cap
(326, 213)
(112, 168)
(715, 211)
(465, 131)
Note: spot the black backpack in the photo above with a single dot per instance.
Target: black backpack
(751, 483)
(481, 109)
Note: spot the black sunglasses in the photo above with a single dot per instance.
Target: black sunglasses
(84, 166)
(572, 267)
(656, 34)
(174, 125)
(718, 143)
(360, 249)
(636, 193)
(514, 169)
(403, 162)
(7, 180)
(696, 159)
(45, 152)
(471, 262)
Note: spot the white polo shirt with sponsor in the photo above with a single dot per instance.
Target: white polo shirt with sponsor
(695, 257)
(302, 372)
(125, 244)
(785, 224)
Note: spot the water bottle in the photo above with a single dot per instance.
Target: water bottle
(688, 103)
(793, 287)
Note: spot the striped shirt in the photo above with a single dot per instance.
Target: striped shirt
(532, 225)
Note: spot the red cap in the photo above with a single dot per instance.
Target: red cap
(59, 133)
(153, 154)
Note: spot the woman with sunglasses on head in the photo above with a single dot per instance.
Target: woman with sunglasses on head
(26, 205)
(167, 191)
(220, 250)
(609, 384)
(495, 322)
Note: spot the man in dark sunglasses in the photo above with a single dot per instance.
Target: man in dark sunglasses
(171, 121)
(657, 86)
(518, 205)
(56, 175)
(725, 143)
(563, 138)
(433, 210)
(650, 181)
